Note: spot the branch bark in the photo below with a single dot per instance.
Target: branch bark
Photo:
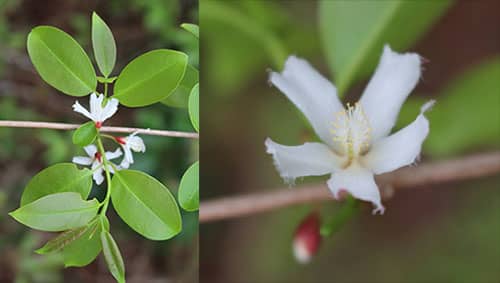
(473, 166)
(63, 126)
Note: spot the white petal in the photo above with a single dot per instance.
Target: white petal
(313, 94)
(399, 149)
(80, 109)
(394, 79)
(110, 109)
(98, 176)
(111, 169)
(112, 155)
(96, 105)
(309, 159)
(82, 160)
(124, 164)
(136, 143)
(128, 154)
(360, 183)
(91, 150)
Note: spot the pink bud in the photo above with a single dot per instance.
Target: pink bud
(307, 238)
(120, 140)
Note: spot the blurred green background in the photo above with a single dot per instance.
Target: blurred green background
(445, 233)
(138, 26)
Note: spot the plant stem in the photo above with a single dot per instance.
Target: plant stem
(337, 221)
(108, 175)
(63, 126)
(106, 89)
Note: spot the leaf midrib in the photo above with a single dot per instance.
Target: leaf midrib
(63, 64)
(140, 201)
(138, 83)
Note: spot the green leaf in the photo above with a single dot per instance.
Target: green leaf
(61, 61)
(150, 77)
(180, 97)
(104, 45)
(85, 134)
(65, 239)
(85, 249)
(194, 111)
(113, 256)
(192, 28)
(354, 32)
(58, 178)
(145, 204)
(57, 212)
(106, 80)
(189, 198)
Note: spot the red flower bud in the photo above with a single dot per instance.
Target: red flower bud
(307, 238)
(120, 140)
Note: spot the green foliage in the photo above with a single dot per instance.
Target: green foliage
(194, 107)
(145, 204)
(354, 32)
(104, 45)
(86, 248)
(64, 239)
(85, 134)
(58, 178)
(189, 196)
(61, 61)
(194, 29)
(113, 256)
(150, 77)
(57, 212)
(180, 97)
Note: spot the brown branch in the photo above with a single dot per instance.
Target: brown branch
(62, 126)
(469, 167)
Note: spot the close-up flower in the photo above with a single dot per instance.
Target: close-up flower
(98, 112)
(95, 161)
(130, 143)
(356, 142)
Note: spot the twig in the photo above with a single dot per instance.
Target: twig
(63, 126)
(469, 167)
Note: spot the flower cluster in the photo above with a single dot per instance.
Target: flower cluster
(355, 141)
(101, 110)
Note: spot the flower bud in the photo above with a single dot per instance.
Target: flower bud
(307, 238)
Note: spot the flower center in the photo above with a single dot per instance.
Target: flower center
(98, 124)
(98, 156)
(352, 130)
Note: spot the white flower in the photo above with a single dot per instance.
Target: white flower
(129, 143)
(355, 144)
(95, 160)
(98, 113)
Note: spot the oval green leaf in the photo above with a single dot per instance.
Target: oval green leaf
(354, 32)
(150, 77)
(145, 204)
(61, 61)
(85, 249)
(194, 107)
(189, 197)
(192, 28)
(85, 134)
(104, 45)
(57, 212)
(180, 97)
(58, 178)
(113, 256)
